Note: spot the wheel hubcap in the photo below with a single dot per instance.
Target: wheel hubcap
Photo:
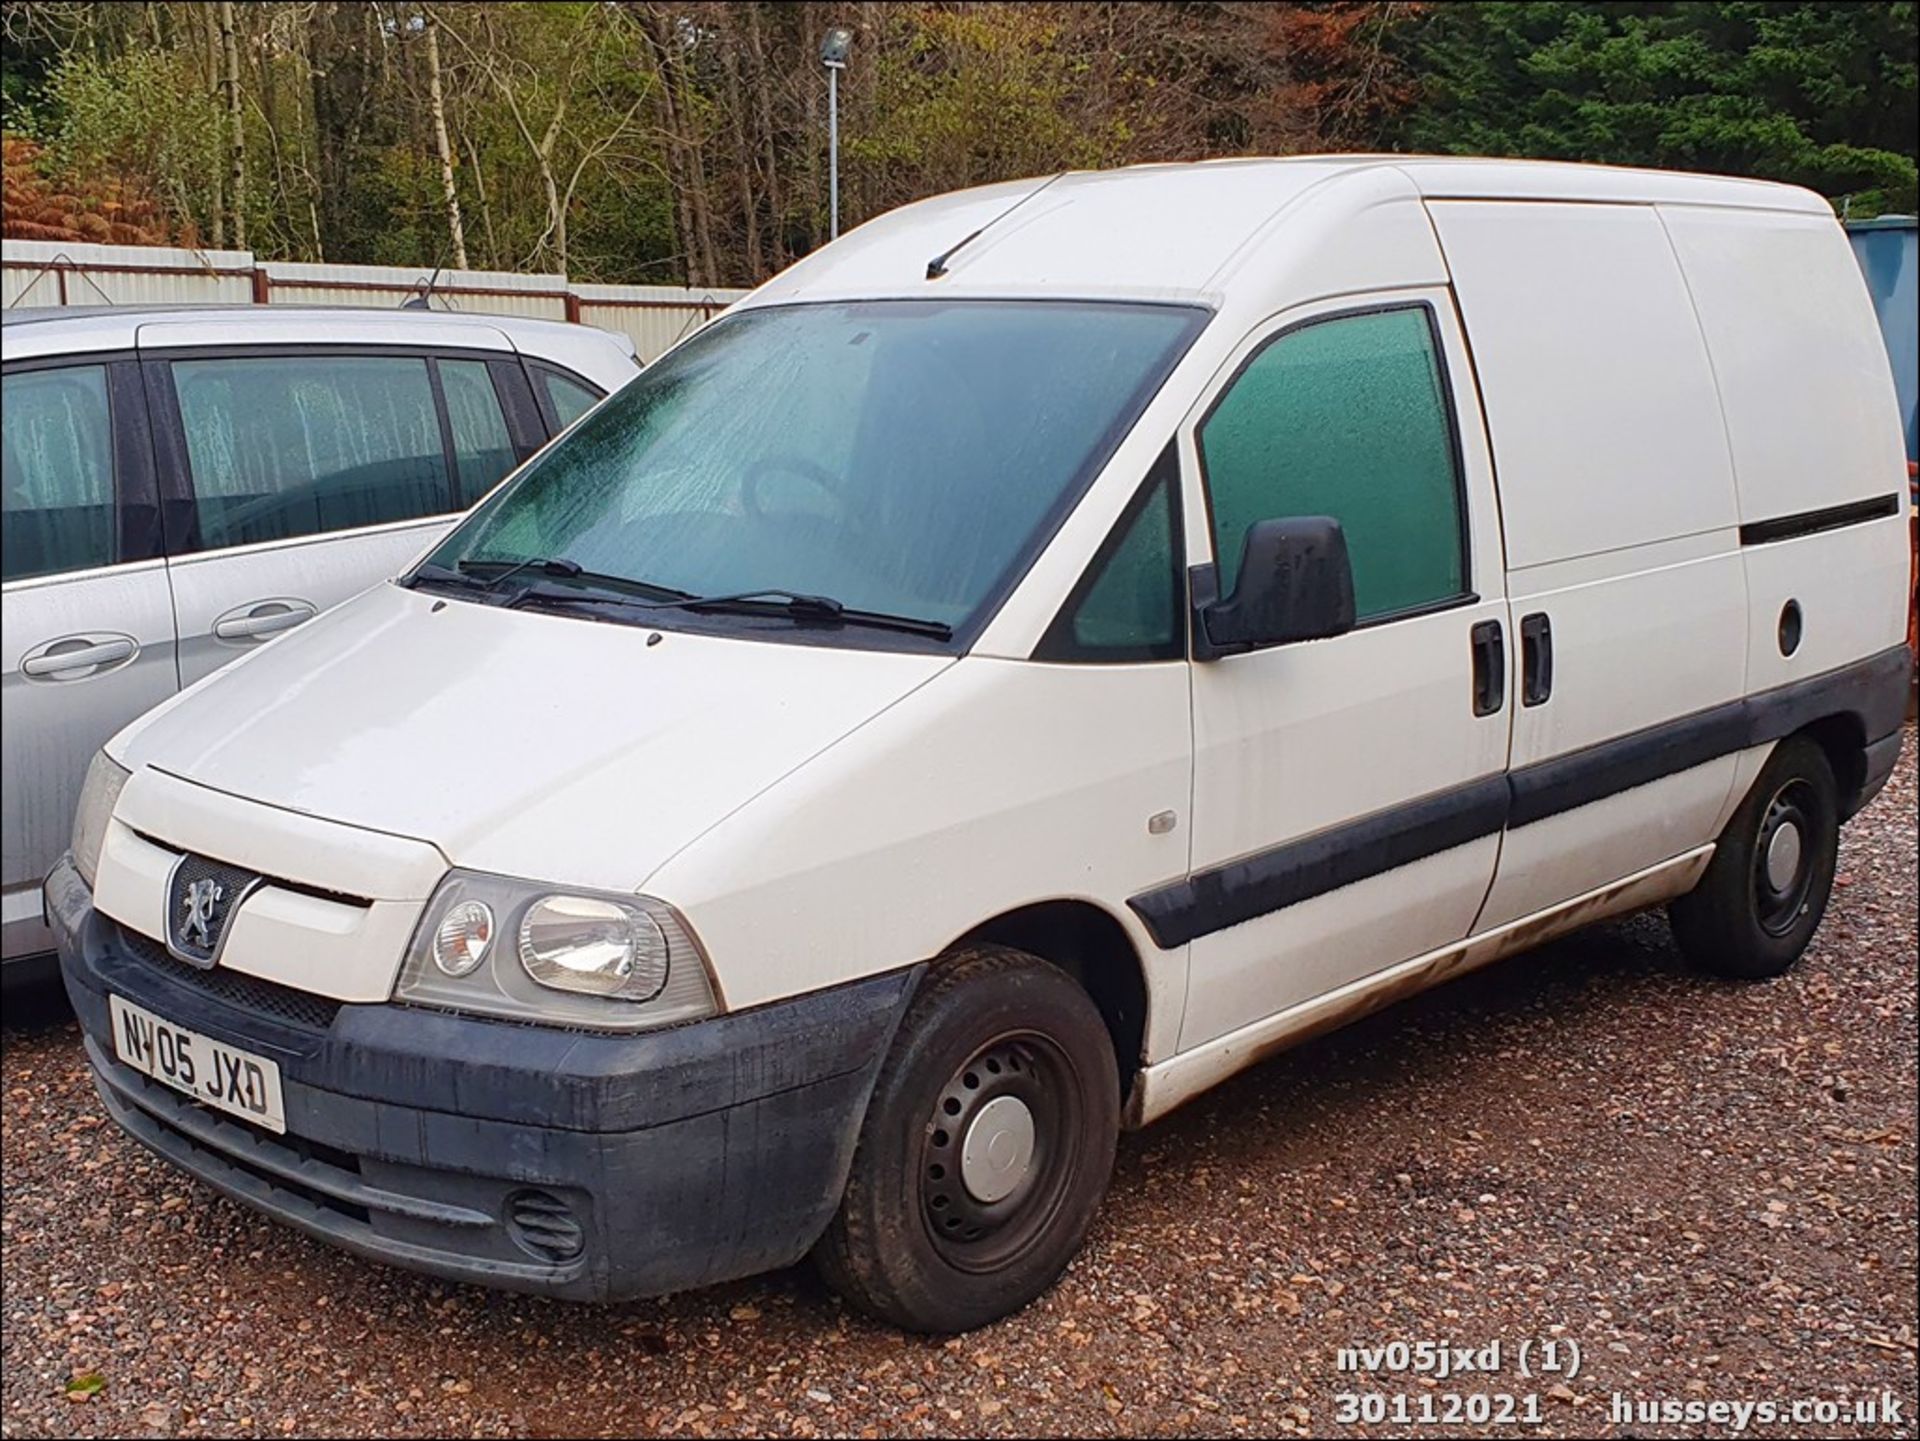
(1783, 856)
(998, 1150)
(1783, 870)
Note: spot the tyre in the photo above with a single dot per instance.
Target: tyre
(1764, 892)
(985, 1151)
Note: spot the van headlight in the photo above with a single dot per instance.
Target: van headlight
(496, 946)
(99, 793)
(601, 948)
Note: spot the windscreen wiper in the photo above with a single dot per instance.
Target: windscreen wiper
(560, 568)
(473, 575)
(802, 606)
(433, 574)
(486, 575)
(796, 604)
(558, 595)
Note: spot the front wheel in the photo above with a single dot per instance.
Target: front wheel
(985, 1151)
(1757, 907)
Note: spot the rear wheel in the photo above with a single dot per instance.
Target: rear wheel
(1764, 893)
(985, 1150)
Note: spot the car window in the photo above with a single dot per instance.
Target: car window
(569, 398)
(58, 483)
(1345, 417)
(284, 446)
(1131, 606)
(898, 456)
(482, 447)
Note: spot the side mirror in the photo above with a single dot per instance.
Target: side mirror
(1295, 583)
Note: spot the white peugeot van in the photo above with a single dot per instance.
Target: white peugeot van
(1042, 653)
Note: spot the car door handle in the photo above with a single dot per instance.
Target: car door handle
(262, 619)
(1536, 659)
(79, 657)
(1489, 667)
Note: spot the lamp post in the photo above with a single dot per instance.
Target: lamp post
(834, 48)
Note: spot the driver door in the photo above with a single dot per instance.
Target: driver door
(297, 480)
(1348, 793)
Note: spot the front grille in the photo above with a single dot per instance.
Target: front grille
(231, 988)
(278, 1180)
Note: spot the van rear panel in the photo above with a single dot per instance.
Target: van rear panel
(1814, 430)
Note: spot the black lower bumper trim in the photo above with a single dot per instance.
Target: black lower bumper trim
(1882, 756)
(667, 1160)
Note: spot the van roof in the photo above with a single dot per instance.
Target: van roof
(1170, 232)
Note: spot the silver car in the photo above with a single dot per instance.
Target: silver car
(182, 485)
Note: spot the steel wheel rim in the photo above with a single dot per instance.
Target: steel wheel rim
(1783, 858)
(1029, 1071)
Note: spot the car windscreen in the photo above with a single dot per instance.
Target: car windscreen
(901, 457)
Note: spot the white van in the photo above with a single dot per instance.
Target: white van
(1044, 652)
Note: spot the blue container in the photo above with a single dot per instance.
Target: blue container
(1885, 249)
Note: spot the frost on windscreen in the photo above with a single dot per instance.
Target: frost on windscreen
(899, 456)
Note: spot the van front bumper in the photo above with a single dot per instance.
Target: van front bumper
(582, 1165)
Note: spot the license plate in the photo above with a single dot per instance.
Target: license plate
(224, 1077)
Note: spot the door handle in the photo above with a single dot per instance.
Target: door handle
(262, 619)
(1536, 658)
(1489, 667)
(78, 657)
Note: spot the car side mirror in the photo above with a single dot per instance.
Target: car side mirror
(1295, 583)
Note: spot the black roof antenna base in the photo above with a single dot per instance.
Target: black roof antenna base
(422, 295)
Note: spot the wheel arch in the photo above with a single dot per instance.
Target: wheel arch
(1842, 736)
(1090, 944)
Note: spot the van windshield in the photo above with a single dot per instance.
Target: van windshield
(903, 458)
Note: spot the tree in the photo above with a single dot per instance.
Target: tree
(686, 139)
(144, 124)
(236, 125)
(571, 93)
(444, 147)
(342, 91)
(1821, 94)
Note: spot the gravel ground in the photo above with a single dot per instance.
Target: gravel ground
(1710, 1188)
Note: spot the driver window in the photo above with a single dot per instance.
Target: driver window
(1346, 417)
(283, 446)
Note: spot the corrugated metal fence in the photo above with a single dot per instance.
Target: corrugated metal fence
(38, 272)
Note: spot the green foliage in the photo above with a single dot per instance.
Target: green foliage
(969, 97)
(1819, 94)
(144, 118)
(650, 140)
(586, 64)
